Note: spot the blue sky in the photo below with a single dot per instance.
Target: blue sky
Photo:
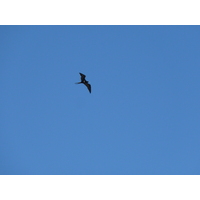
(141, 118)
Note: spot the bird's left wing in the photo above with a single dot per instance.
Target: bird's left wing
(88, 87)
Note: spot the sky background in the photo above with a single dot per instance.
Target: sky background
(142, 117)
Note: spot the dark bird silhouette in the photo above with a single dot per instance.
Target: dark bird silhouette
(86, 83)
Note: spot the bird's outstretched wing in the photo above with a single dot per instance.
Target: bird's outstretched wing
(82, 77)
(88, 86)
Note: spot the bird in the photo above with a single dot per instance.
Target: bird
(86, 83)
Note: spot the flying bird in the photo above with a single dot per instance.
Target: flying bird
(86, 83)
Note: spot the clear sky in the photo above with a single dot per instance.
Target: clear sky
(142, 117)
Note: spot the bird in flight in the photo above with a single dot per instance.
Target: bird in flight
(86, 83)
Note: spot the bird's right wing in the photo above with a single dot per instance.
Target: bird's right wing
(82, 77)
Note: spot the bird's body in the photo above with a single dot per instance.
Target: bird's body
(86, 83)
